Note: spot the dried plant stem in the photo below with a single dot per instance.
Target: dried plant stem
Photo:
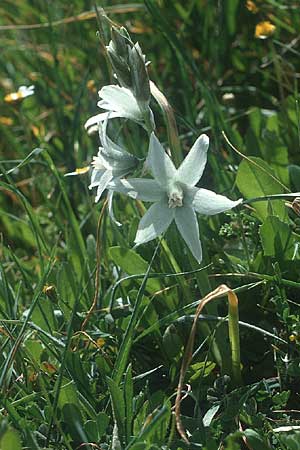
(234, 345)
(234, 337)
(170, 121)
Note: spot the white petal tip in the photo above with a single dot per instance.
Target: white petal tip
(70, 174)
(204, 139)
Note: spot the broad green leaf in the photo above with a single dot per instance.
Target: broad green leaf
(264, 139)
(291, 441)
(279, 240)
(255, 440)
(274, 150)
(10, 440)
(67, 394)
(132, 263)
(34, 349)
(256, 179)
(43, 315)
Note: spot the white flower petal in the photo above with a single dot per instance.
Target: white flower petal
(101, 181)
(139, 188)
(192, 167)
(110, 208)
(209, 203)
(98, 118)
(187, 224)
(120, 99)
(26, 91)
(159, 162)
(96, 177)
(154, 222)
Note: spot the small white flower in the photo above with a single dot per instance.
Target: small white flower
(174, 195)
(26, 91)
(118, 102)
(111, 162)
(22, 92)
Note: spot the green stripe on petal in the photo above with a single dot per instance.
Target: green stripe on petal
(143, 189)
(187, 224)
(156, 220)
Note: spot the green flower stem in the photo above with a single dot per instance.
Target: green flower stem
(234, 337)
(264, 198)
(176, 268)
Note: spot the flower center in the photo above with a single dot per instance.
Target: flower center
(175, 197)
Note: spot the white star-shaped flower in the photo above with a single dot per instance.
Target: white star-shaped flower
(174, 195)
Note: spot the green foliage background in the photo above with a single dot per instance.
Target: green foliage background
(112, 384)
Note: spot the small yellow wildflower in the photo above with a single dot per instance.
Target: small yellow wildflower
(82, 170)
(251, 6)
(91, 85)
(100, 342)
(48, 289)
(6, 121)
(264, 29)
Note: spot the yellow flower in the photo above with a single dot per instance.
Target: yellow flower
(78, 171)
(100, 342)
(6, 121)
(251, 6)
(82, 170)
(91, 85)
(264, 29)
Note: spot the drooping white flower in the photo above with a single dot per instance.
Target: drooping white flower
(118, 102)
(111, 162)
(174, 195)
